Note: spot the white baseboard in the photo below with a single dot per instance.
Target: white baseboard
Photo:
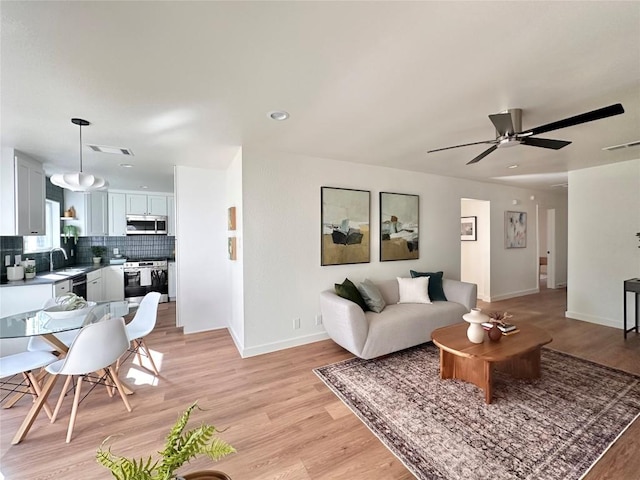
(275, 346)
(506, 296)
(238, 342)
(607, 322)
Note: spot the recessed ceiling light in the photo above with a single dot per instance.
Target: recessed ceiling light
(278, 115)
(126, 165)
(106, 149)
(513, 166)
(143, 187)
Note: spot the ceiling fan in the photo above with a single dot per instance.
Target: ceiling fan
(509, 130)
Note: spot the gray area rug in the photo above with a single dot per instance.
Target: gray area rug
(554, 427)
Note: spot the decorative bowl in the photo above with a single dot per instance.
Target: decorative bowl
(57, 311)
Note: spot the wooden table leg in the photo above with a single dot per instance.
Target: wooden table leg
(35, 409)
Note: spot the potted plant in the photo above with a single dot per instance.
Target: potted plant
(98, 251)
(180, 447)
(29, 271)
(70, 231)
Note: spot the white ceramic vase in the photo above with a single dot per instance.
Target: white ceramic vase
(475, 318)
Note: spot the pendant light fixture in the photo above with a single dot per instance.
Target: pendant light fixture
(79, 181)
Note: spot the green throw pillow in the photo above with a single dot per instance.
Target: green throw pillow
(348, 290)
(436, 292)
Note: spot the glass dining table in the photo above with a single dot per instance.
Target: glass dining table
(46, 325)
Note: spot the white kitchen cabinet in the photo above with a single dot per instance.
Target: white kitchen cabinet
(91, 212)
(22, 195)
(94, 286)
(117, 214)
(61, 288)
(113, 283)
(171, 215)
(138, 204)
(172, 281)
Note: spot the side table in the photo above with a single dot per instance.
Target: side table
(632, 285)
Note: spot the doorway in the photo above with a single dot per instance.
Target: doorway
(475, 253)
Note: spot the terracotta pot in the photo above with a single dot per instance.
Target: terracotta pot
(206, 475)
(494, 333)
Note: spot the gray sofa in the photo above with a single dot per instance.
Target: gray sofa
(398, 326)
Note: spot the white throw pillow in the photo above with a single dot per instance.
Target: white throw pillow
(414, 290)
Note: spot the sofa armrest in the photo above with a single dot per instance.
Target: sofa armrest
(344, 321)
(463, 293)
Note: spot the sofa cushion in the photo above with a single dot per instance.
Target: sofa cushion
(414, 290)
(436, 292)
(372, 296)
(348, 290)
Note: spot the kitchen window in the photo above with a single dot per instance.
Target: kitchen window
(44, 243)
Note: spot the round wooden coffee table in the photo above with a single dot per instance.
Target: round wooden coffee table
(517, 354)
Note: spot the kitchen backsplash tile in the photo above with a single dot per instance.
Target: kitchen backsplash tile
(142, 246)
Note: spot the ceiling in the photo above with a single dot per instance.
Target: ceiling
(380, 83)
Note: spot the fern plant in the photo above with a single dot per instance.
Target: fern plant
(180, 447)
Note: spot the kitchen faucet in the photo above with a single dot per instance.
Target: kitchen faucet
(51, 256)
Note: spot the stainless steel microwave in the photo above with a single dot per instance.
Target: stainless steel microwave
(146, 225)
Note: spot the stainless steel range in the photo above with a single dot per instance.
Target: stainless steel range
(143, 276)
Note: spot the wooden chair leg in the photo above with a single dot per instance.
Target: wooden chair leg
(74, 409)
(148, 353)
(120, 388)
(61, 398)
(35, 385)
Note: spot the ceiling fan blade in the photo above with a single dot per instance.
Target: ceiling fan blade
(545, 143)
(463, 145)
(483, 154)
(502, 122)
(604, 112)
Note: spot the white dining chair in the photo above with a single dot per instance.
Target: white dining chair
(23, 364)
(96, 348)
(142, 324)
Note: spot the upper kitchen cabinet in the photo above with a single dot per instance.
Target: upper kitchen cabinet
(22, 196)
(91, 212)
(138, 204)
(117, 214)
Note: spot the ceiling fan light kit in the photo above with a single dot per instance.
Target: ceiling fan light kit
(79, 181)
(509, 130)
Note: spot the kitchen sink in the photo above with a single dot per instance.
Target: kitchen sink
(54, 276)
(71, 271)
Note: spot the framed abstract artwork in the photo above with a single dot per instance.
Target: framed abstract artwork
(344, 226)
(231, 218)
(468, 229)
(515, 229)
(399, 218)
(233, 255)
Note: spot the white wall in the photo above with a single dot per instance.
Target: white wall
(201, 249)
(604, 216)
(236, 268)
(281, 245)
(475, 256)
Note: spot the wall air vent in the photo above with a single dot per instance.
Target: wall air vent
(623, 145)
(105, 149)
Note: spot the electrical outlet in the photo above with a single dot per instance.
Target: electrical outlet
(296, 323)
(72, 250)
(115, 251)
(7, 260)
(319, 319)
(18, 259)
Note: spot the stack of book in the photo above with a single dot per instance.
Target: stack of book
(505, 328)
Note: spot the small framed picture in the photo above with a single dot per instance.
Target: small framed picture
(232, 248)
(231, 218)
(468, 229)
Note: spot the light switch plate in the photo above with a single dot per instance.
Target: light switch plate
(18, 259)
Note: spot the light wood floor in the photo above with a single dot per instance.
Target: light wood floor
(283, 421)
